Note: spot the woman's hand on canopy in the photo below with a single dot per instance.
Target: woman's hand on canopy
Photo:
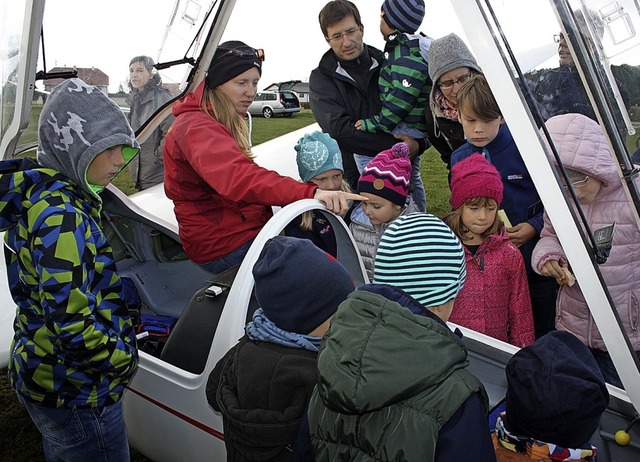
(337, 201)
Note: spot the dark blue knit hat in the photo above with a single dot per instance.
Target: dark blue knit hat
(404, 15)
(555, 391)
(298, 285)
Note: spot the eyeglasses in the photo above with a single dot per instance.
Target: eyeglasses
(246, 52)
(349, 33)
(577, 183)
(558, 37)
(447, 84)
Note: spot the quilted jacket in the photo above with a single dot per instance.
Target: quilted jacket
(583, 147)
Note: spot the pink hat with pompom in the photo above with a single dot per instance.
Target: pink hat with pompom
(388, 175)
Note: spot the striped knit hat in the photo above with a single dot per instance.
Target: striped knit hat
(388, 174)
(404, 15)
(419, 254)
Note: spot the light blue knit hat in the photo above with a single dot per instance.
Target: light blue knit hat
(420, 254)
(317, 153)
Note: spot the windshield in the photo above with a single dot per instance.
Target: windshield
(571, 53)
(10, 38)
(101, 52)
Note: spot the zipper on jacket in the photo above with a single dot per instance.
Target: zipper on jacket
(479, 261)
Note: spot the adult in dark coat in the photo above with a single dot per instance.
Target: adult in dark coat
(344, 88)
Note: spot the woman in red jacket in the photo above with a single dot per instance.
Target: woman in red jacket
(221, 197)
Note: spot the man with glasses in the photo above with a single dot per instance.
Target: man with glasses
(344, 88)
(561, 90)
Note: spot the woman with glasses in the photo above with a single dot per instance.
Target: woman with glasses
(221, 197)
(450, 65)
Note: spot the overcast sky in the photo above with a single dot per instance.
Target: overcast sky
(288, 30)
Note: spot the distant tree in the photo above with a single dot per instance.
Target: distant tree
(629, 76)
(123, 87)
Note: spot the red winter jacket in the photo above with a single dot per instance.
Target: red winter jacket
(495, 298)
(221, 198)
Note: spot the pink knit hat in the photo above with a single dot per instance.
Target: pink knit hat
(388, 174)
(474, 177)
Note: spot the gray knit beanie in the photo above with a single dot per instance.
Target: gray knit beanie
(77, 123)
(404, 15)
(448, 53)
(419, 254)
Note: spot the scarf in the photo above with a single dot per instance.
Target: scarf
(443, 103)
(263, 329)
(539, 450)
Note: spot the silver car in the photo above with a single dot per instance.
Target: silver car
(270, 103)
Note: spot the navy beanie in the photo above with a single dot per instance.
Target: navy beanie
(230, 60)
(404, 15)
(555, 391)
(298, 285)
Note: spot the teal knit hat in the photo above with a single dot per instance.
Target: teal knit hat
(419, 254)
(317, 153)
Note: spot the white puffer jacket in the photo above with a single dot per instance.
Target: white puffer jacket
(583, 147)
(367, 236)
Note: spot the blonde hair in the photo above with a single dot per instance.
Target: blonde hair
(307, 217)
(219, 107)
(454, 219)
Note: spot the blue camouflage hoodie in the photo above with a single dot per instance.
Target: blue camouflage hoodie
(74, 343)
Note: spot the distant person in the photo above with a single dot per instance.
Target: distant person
(495, 299)
(403, 84)
(451, 64)
(561, 90)
(319, 162)
(393, 381)
(74, 349)
(146, 97)
(555, 397)
(385, 182)
(263, 384)
(486, 133)
(221, 197)
(344, 89)
(593, 173)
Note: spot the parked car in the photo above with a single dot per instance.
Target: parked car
(270, 103)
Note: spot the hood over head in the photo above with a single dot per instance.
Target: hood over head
(77, 123)
(583, 147)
